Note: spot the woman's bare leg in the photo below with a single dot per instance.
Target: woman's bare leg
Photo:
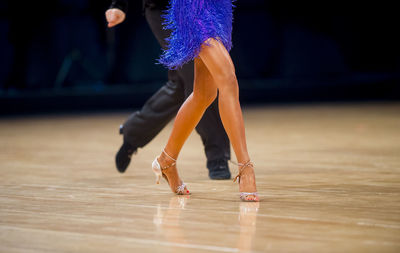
(221, 68)
(214, 71)
(220, 65)
(190, 113)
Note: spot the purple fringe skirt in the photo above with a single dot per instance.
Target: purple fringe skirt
(191, 23)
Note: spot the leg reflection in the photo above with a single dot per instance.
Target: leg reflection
(247, 222)
(168, 220)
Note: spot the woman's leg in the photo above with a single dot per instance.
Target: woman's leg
(220, 65)
(221, 68)
(190, 113)
(214, 71)
(204, 93)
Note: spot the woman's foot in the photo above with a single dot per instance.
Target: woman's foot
(170, 173)
(247, 182)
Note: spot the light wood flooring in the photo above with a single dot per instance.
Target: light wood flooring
(328, 177)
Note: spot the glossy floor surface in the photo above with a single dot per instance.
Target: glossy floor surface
(328, 177)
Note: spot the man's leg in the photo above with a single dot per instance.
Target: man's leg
(143, 125)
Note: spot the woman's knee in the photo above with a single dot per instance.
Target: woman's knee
(227, 82)
(205, 97)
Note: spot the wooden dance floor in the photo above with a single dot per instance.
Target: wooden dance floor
(328, 177)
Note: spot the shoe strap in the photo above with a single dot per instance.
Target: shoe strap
(241, 169)
(170, 157)
(172, 164)
(168, 166)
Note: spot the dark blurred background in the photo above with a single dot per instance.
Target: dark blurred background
(58, 55)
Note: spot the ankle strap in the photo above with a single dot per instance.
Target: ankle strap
(165, 153)
(239, 164)
(241, 169)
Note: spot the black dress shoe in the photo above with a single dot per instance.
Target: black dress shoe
(123, 157)
(218, 169)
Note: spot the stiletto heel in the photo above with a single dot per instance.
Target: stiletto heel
(159, 172)
(244, 195)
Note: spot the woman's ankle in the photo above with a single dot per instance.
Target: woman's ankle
(164, 160)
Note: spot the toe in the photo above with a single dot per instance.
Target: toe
(251, 198)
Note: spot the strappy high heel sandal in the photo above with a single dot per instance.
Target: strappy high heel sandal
(159, 171)
(244, 195)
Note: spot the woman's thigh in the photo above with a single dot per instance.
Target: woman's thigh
(217, 60)
(204, 84)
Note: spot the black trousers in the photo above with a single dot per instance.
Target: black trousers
(143, 125)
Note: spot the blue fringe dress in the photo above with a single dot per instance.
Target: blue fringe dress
(191, 23)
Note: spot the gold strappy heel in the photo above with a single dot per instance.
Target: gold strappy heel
(158, 171)
(244, 195)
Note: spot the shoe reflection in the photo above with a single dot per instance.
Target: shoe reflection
(167, 221)
(247, 222)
